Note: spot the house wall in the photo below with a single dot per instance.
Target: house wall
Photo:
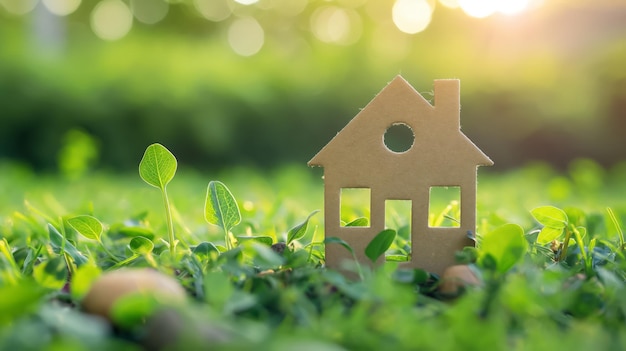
(432, 248)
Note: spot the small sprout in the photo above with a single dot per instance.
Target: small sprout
(157, 168)
(221, 209)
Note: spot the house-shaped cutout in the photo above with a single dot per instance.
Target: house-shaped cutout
(441, 155)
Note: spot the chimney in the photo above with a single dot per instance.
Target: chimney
(448, 101)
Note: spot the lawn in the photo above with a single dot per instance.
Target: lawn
(550, 265)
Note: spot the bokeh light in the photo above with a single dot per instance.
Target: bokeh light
(336, 25)
(412, 16)
(149, 11)
(512, 7)
(246, 36)
(485, 8)
(478, 8)
(111, 19)
(246, 2)
(213, 10)
(19, 7)
(62, 7)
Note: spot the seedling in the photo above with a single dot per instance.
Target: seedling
(221, 209)
(157, 168)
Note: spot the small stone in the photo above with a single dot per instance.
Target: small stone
(111, 286)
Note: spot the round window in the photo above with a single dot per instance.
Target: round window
(399, 137)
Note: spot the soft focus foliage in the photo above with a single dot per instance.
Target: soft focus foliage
(268, 81)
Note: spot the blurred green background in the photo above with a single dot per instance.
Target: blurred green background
(89, 84)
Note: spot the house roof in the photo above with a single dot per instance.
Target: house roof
(436, 128)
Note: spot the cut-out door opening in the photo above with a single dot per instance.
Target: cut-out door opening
(354, 207)
(444, 207)
(398, 217)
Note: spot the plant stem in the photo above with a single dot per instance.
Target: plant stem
(227, 239)
(568, 235)
(108, 252)
(170, 224)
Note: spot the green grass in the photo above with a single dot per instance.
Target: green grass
(250, 297)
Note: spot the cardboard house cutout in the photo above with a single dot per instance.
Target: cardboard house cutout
(440, 156)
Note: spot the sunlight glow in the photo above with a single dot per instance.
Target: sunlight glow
(513, 7)
(247, 2)
(450, 3)
(478, 8)
(111, 19)
(484, 8)
(246, 36)
(62, 7)
(412, 16)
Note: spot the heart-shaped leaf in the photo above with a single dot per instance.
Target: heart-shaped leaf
(221, 207)
(157, 166)
(550, 216)
(87, 226)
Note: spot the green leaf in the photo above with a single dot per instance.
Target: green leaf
(204, 249)
(506, 245)
(299, 231)
(59, 244)
(83, 279)
(157, 166)
(52, 274)
(262, 239)
(131, 231)
(397, 258)
(221, 207)
(133, 309)
(87, 226)
(547, 234)
(359, 222)
(550, 216)
(264, 257)
(141, 246)
(19, 299)
(381, 242)
(336, 240)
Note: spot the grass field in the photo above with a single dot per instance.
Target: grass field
(529, 297)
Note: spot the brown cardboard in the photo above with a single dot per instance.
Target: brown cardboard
(441, 155)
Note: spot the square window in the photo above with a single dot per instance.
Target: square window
(444, 207)
(355, 207)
